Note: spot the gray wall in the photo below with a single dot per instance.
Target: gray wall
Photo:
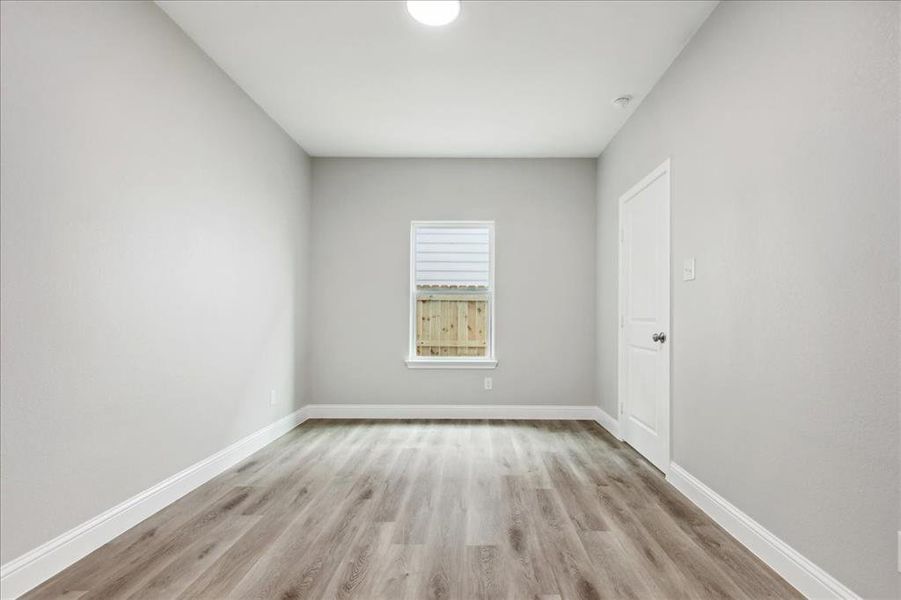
(782, 123)
(154, 237)
(544, 213)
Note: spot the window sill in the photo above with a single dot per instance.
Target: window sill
(451, 363)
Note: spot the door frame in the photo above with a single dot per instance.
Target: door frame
(663, 170)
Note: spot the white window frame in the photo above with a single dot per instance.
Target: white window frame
(489, 361)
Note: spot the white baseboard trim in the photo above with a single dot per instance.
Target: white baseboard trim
(36, 566)
(609, 423)
(450, 411)
(804, 575)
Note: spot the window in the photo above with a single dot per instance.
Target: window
(452, 294)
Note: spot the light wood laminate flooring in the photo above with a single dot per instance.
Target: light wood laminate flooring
(428, 509)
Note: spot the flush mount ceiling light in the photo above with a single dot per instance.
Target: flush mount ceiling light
(622, 102)
(434, 13)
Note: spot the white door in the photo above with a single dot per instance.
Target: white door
(644, 283)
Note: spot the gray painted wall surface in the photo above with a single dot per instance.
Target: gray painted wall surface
(545, 230)
(154, 229)
(782, 123)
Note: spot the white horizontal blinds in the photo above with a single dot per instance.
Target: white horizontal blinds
(452, 256)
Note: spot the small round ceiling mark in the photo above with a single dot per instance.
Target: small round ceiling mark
(434, 13)
(622, 102)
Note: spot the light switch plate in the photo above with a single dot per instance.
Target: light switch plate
(688, 269)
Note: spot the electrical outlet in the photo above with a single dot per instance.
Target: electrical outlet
(688, 269)
(271, 397)
(489, 384)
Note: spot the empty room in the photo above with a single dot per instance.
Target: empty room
(450, 299)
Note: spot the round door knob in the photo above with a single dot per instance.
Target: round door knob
(659, 337)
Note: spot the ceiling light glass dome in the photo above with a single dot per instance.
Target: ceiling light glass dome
(434, 13)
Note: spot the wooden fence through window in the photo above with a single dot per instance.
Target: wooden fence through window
(451, 325)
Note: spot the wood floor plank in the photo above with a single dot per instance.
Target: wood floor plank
(614, 488)
(408, 509)
(125, 577)
(640, 550)
(358, 572)
(563, 549)
(485, 578)
(223, 576)
(398, 572)
(617, 577)
(442, 575)
(295, 565)
(706, 578)
(529, 571)
(397, 485)
(412, 522)
(524, 439)
(483, 520)
(188, 565)
(582, 509)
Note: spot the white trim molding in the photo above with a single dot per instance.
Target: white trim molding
(799, 571)
(606, 421)
(449, 363)
(451, 411)
(528, 412)
(36, 566)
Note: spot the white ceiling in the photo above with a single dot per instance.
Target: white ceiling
(505, 79)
